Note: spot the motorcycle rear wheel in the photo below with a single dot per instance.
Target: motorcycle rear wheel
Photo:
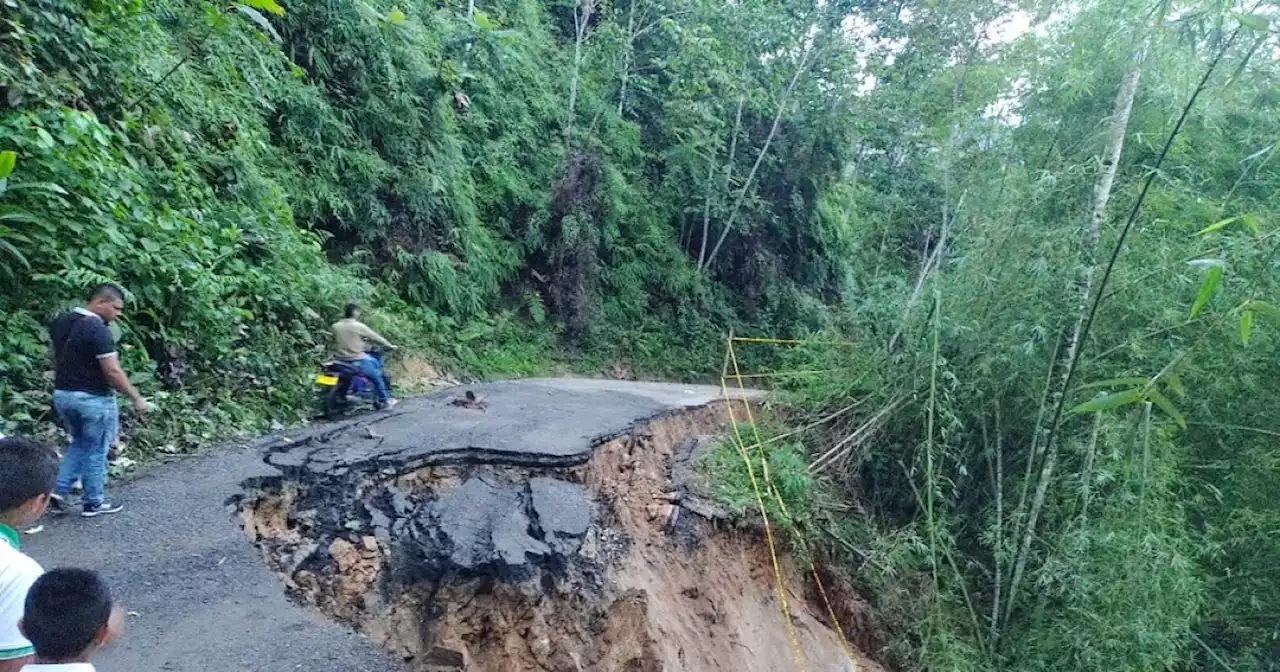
(333, 401)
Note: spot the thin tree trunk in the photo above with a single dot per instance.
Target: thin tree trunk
(1037, 450)
(999, 543)
(934, 258)
(582, 11)
(948, 218)
(1102, 193)
(1110, 160)
(471, 9)
(626, 56)
(733, 144)
(728, 179)
(853, 184)
(637, 28)
(773, 131)
(706, 207)
(1086, 476)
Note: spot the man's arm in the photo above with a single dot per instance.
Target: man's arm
(120, 380)
(109, 360)
(372, 335)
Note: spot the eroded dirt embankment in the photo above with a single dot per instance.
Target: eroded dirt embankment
(615, 564)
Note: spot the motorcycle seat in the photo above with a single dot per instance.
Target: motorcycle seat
(341, 368)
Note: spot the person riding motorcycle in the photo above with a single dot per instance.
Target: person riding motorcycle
(352, 337)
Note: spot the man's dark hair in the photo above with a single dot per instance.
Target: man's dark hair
(64, 611)
(107, 290)
(350, 310)
(27, 469)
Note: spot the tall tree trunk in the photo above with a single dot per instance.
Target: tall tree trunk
(706, 207)
(626, 56)
(582, 12)
(1108, 163)
(764, 151)
(728, 180)
(639, 24)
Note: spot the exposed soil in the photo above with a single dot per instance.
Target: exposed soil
(613, 565)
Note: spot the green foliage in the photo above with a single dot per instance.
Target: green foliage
(1122, 512)
(245, 168)
(1128, 555)
(788, 471)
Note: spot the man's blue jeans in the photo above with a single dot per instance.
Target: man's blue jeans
(373, 371)
(91, 420)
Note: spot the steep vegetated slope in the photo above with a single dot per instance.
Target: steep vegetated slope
(1050, 439)
(500, 184)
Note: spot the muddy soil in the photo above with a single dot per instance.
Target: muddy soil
(618, 563)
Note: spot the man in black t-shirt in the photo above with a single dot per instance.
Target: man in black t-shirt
(87, 374)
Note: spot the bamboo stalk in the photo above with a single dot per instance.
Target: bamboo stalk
(998, 486)
(1091, 315)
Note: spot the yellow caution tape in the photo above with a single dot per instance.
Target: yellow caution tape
(731, 359)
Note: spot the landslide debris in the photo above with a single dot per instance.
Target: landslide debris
(498, 559)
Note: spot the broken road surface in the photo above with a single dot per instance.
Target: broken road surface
(532, 423)
(202, 598)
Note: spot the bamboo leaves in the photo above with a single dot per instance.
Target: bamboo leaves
(1249, 220)
(1217, 226)
(258, 20)
(1212, 280)
(1254, 22)
(265, 5)
(1110, 401)
(1248, 313)
(484, 21)
(15, 215)
(1139, 390)
(1160, 400)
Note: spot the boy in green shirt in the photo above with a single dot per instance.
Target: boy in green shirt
(27, 474)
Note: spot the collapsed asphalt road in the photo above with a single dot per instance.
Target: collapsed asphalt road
(534, 423)
(201, 599)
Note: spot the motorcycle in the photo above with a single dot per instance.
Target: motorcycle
(342, 387)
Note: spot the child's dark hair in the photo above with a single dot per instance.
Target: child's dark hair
(65, 610)
(349, 311)
(107, 290)
(27, 469)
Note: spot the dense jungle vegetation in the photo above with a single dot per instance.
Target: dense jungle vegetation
(1032, 245)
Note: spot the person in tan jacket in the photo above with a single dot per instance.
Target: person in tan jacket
(353, 337)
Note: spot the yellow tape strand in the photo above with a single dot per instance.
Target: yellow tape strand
(764, 514)
(787, 341)
(768, 528)
(835, 620)
(779, 374)
(782, 505)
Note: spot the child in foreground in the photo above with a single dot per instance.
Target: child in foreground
(69, 617)
(27, 474)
